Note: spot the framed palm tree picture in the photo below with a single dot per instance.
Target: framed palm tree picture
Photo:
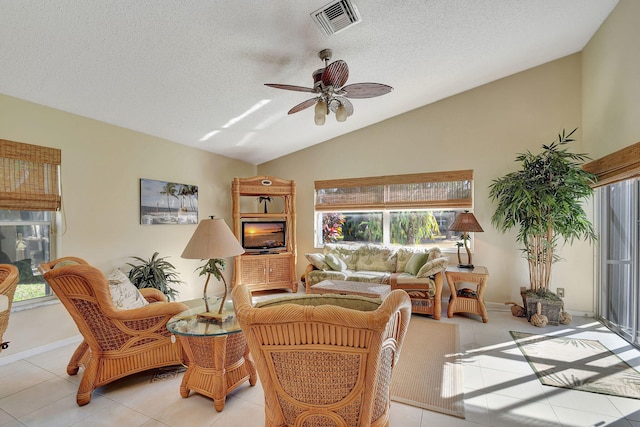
(163, 202)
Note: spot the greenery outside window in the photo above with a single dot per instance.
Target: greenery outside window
(29, 202)
(414, 209)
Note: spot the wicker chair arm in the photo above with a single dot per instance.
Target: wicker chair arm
(153, 295)
(151, 310)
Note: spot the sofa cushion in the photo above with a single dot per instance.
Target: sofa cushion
(416, 261)
(354, 302)
(403, 255)
(376, 258)
(347, 253)
(124, 294)
(432, 267)
(317, 276)
(318, 261)
(335, 262)
(369, 276)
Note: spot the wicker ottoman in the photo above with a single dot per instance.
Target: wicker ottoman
(343, 287)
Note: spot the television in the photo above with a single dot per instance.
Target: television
(264, 236)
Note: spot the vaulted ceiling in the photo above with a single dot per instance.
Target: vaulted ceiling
(193, 72)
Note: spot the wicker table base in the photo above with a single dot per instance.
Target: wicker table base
(458, 303)
(217, 365)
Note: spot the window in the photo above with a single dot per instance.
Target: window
(29, 201)
(413, 209)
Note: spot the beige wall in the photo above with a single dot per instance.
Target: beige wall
(482, 129)
(611, 82)
(101, 169)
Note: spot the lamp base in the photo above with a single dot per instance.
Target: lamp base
(215, 317)
(469, 266)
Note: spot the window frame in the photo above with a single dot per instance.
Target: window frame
(393, 193)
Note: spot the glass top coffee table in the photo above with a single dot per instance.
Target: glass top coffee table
(218, 359)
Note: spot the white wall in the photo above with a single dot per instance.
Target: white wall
(101, 169)
(482, 129)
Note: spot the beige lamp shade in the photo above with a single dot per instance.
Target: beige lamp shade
(212, 239)
(466, 222)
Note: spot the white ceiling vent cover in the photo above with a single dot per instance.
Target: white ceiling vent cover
(336, 16)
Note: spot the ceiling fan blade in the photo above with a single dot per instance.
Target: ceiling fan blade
(306, 104)
(333, 106)
(336, 74)
(366, 90)
(290, 87)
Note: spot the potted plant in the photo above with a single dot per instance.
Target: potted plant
(543, 198)
(156, 273)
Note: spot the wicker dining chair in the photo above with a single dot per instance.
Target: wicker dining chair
(9, 277)
(116, 342)
(325, 360)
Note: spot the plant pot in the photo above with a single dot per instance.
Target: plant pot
(550, 307)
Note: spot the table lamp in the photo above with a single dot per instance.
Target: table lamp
(466, 223)
(212, 241)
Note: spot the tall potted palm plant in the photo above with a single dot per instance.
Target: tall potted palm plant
(544, 199)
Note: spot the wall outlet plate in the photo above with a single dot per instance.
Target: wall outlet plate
(560, 292)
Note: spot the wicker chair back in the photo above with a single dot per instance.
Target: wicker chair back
(325, 360)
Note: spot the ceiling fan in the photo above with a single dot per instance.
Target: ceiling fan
(328, 85)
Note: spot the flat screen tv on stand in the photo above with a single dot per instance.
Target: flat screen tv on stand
(264, 237)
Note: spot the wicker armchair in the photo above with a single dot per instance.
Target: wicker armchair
(325, 360)
(8, 281)
(116, 342)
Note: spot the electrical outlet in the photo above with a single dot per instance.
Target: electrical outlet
(560, 292)
(522, 289)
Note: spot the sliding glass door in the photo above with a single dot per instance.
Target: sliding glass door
(619, 290)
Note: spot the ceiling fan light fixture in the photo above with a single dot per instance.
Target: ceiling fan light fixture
(341, 113)
(320, 113)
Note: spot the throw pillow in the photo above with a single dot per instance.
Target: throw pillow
(416, 261)
(335, 263)
(65, 263)
(432, 267)
(317, 260)
(24, 270)
(124, 294)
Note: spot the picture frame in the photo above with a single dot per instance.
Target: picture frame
(166, 202)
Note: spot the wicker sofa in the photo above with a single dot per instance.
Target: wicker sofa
(418, 271)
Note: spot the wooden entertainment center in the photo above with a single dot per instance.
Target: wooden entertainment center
(263, 270)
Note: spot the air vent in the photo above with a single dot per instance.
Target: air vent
(336, 16)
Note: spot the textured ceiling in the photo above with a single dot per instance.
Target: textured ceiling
(181, 70)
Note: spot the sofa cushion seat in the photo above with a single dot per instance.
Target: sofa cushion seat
(369, 276)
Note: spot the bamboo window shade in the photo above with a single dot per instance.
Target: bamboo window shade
(452, 189)
(617, 166)
(29, 177)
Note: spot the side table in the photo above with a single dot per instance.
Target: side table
(460, 303)
(218, 357)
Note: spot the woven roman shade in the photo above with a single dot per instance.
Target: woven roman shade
(452, 189)
(29, 177)
(618, 166)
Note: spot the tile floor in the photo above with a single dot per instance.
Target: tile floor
(500, 390)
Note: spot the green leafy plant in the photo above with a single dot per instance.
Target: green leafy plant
(409, 228)
(156, 273)
(543, 199)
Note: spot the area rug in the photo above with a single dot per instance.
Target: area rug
(165, 373)
(429, 374)
(578, 364)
